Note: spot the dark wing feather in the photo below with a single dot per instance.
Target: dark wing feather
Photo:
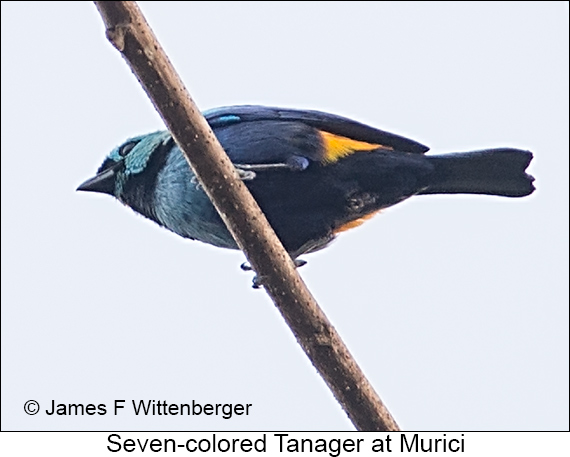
(338, 125)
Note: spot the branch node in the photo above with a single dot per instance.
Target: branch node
(116, 35)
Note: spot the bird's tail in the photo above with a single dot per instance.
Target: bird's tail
(491, 171)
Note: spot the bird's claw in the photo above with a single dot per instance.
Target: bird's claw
(257, 282)
(194, 180)
(299, 263)
(244, 174)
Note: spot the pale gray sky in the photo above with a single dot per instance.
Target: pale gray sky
(456, 307)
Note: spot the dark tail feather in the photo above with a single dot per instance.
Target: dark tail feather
(491, 171)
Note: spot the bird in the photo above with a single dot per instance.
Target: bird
(313, 174)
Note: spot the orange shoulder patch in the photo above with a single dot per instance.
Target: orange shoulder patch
(356, 222)
(337, 147)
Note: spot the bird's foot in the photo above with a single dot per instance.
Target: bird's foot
(245, 175)
(298, 263)
(194, 180)
(257, 282)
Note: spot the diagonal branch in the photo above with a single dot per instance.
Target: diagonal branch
(129, 32)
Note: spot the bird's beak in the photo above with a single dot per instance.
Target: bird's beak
(102, 182)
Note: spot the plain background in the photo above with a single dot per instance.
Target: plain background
(456, 307)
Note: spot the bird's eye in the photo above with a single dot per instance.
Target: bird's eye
(126, 148)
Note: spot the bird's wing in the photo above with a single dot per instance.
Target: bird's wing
(340, 133)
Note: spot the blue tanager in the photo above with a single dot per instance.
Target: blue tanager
(313, 174)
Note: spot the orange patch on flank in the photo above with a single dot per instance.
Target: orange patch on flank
(356, 222)
(337, 147)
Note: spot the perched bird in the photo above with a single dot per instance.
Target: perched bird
(313, 174)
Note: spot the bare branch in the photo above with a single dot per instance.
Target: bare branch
(129, 32)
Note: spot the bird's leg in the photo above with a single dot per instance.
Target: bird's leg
(247, 171)
(243, 174)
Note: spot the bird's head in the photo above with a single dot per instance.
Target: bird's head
(135, 158)
(129, 171)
